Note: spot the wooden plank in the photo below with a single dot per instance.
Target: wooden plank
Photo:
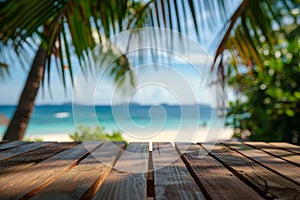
(267, 183)
(172, 180)
(287, 146)
(276, 151)
(12, 144)
(82, 181)
(128, 178)
(275, 164)
(19, 150)
(216, 181)
(27, 182)
(28, 159)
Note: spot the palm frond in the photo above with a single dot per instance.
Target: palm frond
(253, 29)
(64, 27)
(249, 27)
(76, 27)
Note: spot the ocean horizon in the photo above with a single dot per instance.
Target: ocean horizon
(54, 119)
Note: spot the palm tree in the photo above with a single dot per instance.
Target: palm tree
(53, 21)
(47, 25)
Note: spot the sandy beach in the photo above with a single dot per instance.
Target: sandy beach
(58, 137)
(200, 135)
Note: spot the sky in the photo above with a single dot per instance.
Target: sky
(184, 81)
(156, 83)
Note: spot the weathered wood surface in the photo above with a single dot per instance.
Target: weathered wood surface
(215, 179)
(26, 183)
(83, 180)
(128, 178)
(8, 145)
(287, 146)
(28, 159)
(276, 151)
(19, 150)
(172, 180)
(266, 182)
(275, 164)
(102, 170)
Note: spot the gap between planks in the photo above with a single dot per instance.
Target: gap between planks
(83, 180)
(28, 159)
(289, 147)
(172, 180)
(12, 144)
(266, 182)
(275, 164)
(37, 177)
(215, 180)
(283, 154)
(128, 178)
(19, 150)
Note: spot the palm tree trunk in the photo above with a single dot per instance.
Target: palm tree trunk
(18, 124)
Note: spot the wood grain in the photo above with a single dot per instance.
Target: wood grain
(27, 182)
(28, 159)
(267, 183)
(287, 146)
(250, 170)
(12, 144)
(276, 151)
(83, 180)
(19, 150)
(278, 165)
(215, 179)
(172, 180)
(128, 178)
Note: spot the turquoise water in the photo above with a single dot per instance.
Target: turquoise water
(49, 119)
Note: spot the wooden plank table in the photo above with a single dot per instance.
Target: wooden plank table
(105, 170)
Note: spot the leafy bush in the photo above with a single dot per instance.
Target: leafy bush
(33, 140)
(270, 110)
(95, 134)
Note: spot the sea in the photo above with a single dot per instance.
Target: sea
(53, 119)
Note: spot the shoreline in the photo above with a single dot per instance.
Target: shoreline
(55, 137)
(201, 135)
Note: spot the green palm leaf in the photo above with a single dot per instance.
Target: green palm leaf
(252, 29)
(52, 21)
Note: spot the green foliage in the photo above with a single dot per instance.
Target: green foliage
(271, 107)
(250, 26)
(33, 140)
(65, 29)
(96, 134)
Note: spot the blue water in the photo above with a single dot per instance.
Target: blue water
(59, 118)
